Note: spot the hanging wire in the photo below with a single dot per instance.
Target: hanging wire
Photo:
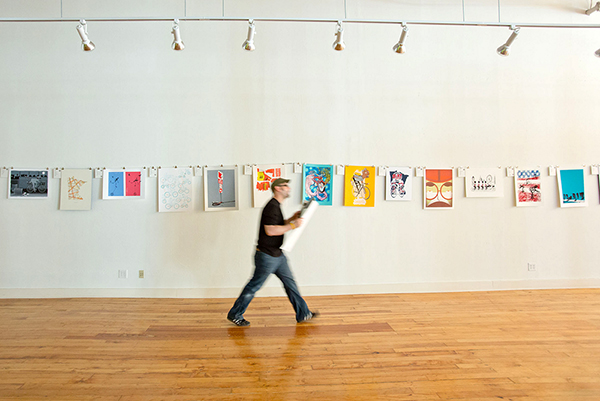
(499, 11)
(345, 10)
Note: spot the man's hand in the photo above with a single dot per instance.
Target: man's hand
(298, 222)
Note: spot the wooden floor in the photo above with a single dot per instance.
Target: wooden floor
(509, 345)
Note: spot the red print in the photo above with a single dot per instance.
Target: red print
(133, 183)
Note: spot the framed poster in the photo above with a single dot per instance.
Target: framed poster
(123, 184)
(398, 184)
(528, 187)
(438, 188)
(317, 183)
(262, 177)
(359, 186)
(221, 188)
(76, 189)
(484, 183)
(175, 189)
(28, 184)
(571, 187)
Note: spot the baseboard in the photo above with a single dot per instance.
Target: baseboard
(463, 286)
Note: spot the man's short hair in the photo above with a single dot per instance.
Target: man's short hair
(278, 182)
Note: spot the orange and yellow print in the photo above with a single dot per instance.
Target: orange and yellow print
(265, 177)
(262, 177)
(359, 186)
(74, 184)
(439, 189)
(76, 189)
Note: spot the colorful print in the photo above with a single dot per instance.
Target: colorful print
(317, 183)
(528, 187)
(439, 188)
(262, 177)
(571, 187)
(398, 182)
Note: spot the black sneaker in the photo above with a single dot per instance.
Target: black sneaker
(239, 322)
(311, 315)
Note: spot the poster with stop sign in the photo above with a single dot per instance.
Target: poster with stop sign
(221, 188)
(262, 177)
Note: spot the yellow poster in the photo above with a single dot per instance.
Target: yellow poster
(359, 186)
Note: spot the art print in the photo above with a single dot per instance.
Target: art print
(398, 184)
(28, 184)
(133, 183)
(76, 189)
(484, 183)
(571, 187)
(175, 190)
(528, 187)
(221, 188)
(262, 177)
(116, 183)
(123, 184)
(359, 186)
(438, 188)
(317, 179)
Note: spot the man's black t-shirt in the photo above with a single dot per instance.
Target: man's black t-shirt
(271, 216)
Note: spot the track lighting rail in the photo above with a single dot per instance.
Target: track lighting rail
(311, 20)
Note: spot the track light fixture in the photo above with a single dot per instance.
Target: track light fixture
(249, 43)
(593, 9)
(86, 44)
(177, 43)
(399, 47)
(339, 44)
(504, 49)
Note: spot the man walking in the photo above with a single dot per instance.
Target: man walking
(269, 259)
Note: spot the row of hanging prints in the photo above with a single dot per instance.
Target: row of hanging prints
(221, 185)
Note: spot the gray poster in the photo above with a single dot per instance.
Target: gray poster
(220, 188)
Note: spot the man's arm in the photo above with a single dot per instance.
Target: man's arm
(292, 223)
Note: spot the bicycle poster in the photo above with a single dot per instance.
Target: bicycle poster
(28, 184)
(317, 183)
(359, 186)
(438, 188)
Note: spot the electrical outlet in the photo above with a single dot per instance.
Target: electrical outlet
(123, 273)
(141, 274)
(531, 267)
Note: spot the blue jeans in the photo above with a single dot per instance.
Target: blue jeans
(266, 265)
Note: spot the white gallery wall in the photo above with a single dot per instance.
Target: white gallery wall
(449, 101)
